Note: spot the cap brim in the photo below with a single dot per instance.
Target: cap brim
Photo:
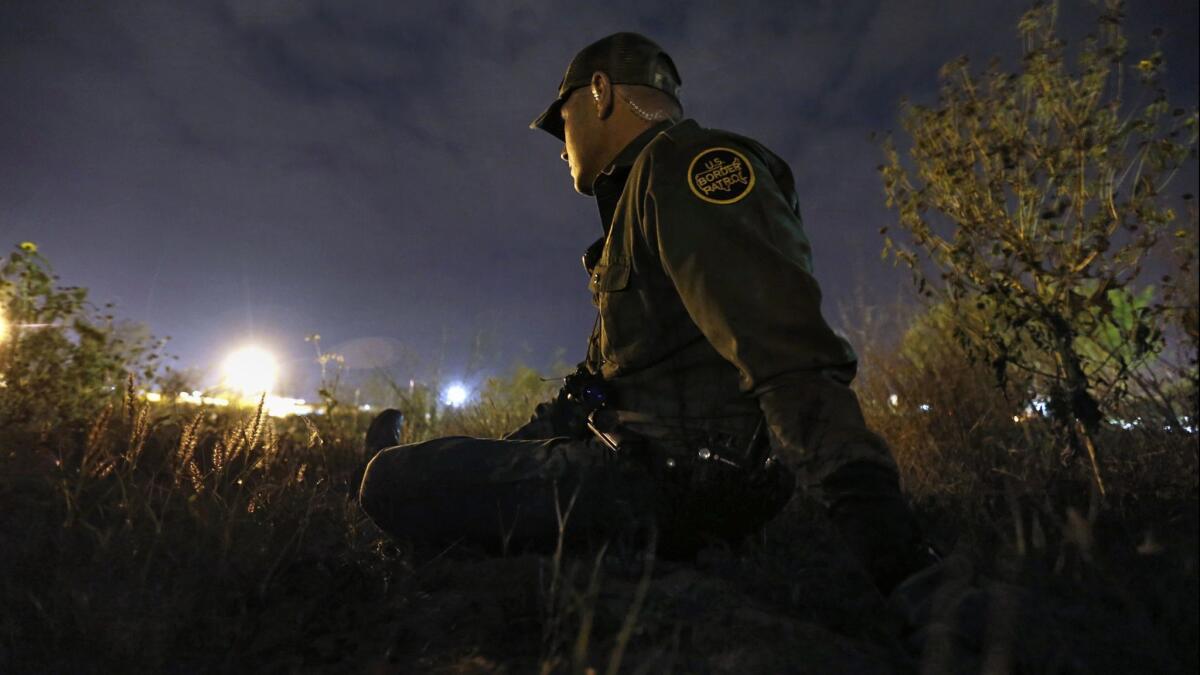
(551, 120)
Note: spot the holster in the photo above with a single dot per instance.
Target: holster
(709, 481)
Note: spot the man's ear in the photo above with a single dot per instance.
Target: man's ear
(602, 94)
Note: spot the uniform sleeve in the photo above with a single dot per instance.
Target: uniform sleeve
(740, 262)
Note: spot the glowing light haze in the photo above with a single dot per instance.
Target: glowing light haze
(250, 371)
(456, 395)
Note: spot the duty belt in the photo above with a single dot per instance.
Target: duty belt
(610, 427)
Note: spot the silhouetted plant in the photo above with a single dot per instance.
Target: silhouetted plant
(60, 357)
(1032, 200)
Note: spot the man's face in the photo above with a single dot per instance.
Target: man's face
(583, 136)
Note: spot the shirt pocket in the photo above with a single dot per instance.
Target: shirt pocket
(618, 305)
(609, 276)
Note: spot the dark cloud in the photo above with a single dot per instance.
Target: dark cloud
(269, 169)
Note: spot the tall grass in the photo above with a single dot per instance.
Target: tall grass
(170, 538)
(147, 539)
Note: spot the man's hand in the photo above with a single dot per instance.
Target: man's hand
(560, 416)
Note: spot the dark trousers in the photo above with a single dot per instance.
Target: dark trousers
(512, 495)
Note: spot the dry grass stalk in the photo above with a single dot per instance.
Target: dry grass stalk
(185, 454)
(587, 615)
(98, 460)
(139, 431)
(99, 427)
(314, 434)
(635, 609)
(255, 426)
(552, 617)
(130, 400)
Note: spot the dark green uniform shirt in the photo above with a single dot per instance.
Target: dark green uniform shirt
(708, 309)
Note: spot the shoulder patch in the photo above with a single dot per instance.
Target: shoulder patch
(720, 175)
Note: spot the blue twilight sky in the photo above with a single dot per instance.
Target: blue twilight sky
(230, 171)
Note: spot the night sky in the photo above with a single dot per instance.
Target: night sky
(232, 172)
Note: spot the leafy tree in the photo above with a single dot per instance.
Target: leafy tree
(1036, 198)
(60, 357)
(1181, 297)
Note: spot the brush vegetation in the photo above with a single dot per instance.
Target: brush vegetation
(164, 537)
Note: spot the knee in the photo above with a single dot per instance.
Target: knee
(396, 476)
(372, 492)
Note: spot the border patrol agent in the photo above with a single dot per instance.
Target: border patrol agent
(713, 387)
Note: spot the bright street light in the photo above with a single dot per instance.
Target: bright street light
(456, 395)
(251, 371)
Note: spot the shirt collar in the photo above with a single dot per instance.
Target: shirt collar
(629, 154)
(609, 185)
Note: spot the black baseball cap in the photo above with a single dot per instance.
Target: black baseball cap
(627, 58)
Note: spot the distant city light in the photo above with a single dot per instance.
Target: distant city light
(274, 406)
(197, 398)
(925, 407)
(456, 395)
(1039, 405)
(7, 328)
(250, 371)
(1126, 424)
(282, 406)
(894, 401)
